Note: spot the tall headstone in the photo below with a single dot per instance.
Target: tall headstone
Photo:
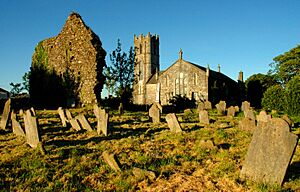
(68, 114)
(62, 116)
(102, 120)
(32, 132)
(231, 111)
(84, 122)
(154, 113)
(203, 117)
(121, 109)
(221, 107)
(74, 124)
(249, 114)
(245, 106)
(270, 152)
(16, 126)
(173, 123)
(5, 114)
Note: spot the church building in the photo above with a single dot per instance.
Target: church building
(181, 78)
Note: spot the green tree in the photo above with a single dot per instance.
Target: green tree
(119, 75)
(293, 96)
(287, 65)
(16, 88)
(274, 98)
(256, 85)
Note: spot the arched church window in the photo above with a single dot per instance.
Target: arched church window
(177, 86)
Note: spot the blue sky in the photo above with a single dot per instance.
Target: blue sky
(237, 34)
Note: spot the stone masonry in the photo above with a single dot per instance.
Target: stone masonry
(79, 50)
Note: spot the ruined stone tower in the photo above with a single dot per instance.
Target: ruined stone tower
(146, 64)
(76, 51)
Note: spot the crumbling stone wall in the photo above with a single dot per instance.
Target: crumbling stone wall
(78, 51)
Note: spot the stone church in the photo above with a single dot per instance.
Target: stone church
(181, 78)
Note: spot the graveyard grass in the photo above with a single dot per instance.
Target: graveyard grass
(201, 158)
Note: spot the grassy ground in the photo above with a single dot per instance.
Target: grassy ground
(201, 158)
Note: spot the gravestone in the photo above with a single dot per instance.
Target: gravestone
(16, 126)
(245, 106)
(269, 153)
(263, 117)
(31, 129)
(83, 122)
(231, 111)
(249, 114)
(154, 113)
(32, 111)
(5, 114)
(237, 109)
(62, 116)
(207, 105)
(201, 106)
(68, 114)
(247, 124)
(96, 110)
(121, 109)
(159, 106)
(221, 107)
(74, 124)
(203, 117)
(110, 160)
(173, 123)
(102, 121)
(287, 119)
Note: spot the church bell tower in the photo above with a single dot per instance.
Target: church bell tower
(146, 50)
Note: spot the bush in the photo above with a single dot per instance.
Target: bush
(274, 98)
(181, 103)
(293, 96)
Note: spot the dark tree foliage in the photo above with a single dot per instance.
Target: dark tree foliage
(119, 75)
(274, 98)
(182, 102)
(256, 85)
(287, 65)
(16, 89)
(293, 96)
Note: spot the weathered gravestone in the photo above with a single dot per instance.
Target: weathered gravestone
(33, 137)
(21, 112)
(207, 105)
(269, 153)
(62, 116)
(75, 125)
(263, 117)
(32, 111)
(247, 124)
(5, 114)
(110, 160)
(68, 114)
(203, 117)
(154, 113)
(237, 109)
(159, 106)
(249, 114)
(245, 106)
(231, 111)
(16, 126)
(102, 120)
(121, 109)
(173, 123)
(201, 106)
(83, 122)
(221, 107)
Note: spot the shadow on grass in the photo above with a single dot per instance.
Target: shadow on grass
(293, 172)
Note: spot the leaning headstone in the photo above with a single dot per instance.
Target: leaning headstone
(154, 113)
(84, 122)
(96, 110)
(5, 114)
(231, 111)
(16, 126)
(62, 116)
(207, 105)
(74, 124)
(221, 107)
(203, 117)
(31, 129)
(249, 114)
(159, 106)
(263, 117)
(110, 160)
(32, 111)
(270, 152)
(121, 109)
(245, 106)
(173, 123)
(102, 121)
(68, 114)
(247, 124)
(201, 106)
